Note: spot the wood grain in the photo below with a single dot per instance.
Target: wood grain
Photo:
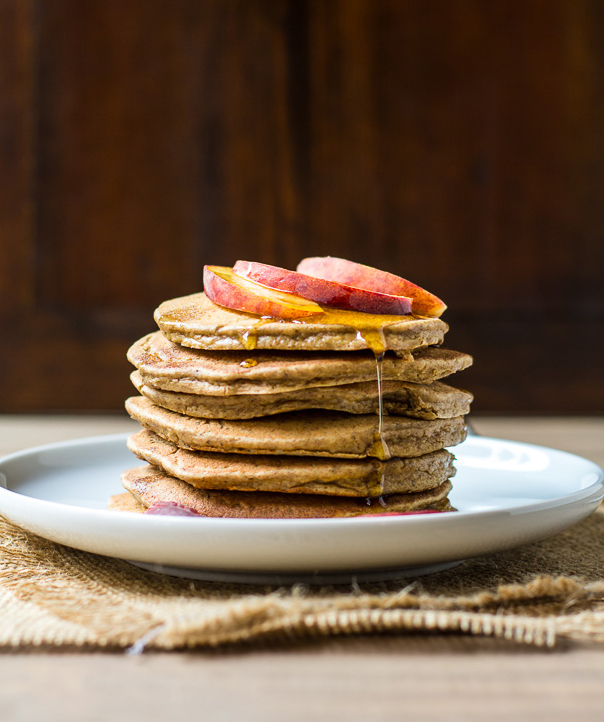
(457, 144)
(17, 160)
(432, 679)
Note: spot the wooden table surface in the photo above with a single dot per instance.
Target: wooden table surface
(373, 678)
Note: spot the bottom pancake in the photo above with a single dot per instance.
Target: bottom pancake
(149, 485)
(125, 502)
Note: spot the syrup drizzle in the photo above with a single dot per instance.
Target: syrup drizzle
(249, 338)
(370, 329)
(382, 447)
(379, 360)
(374, 337)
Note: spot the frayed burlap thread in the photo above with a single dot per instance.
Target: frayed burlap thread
(54, 596)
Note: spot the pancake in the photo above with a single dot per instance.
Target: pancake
(302, 433)
(196, 322)
(166, 365)
(420, 401)
(291, 474)
(125, 502)
(149, 485)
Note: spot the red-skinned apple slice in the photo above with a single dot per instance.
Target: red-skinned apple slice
(372, 279)
(226, 288)
(326, 292)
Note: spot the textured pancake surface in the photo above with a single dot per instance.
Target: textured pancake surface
(125, 502)
(291, 474)
(301, 433)
(166, 365)
(197, 322)
(150, 485)
(421, 401)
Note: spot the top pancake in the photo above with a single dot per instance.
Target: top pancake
(171, 367)
(196, 322)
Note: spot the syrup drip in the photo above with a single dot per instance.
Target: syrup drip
(248, 363)
(382, 446)
(370, 328)
(249, 338)
(381, 500)
(374, 339)
(379, 360)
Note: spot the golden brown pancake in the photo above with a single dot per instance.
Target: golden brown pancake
(196, 322)
(125, 502)
(166, 365)
(292, 474)
(420, 401)
(303, 433)
(150, 485)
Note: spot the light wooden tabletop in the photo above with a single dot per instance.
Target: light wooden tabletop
(376, 678)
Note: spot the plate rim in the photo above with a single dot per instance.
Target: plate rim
(593, 490)
(284, 548)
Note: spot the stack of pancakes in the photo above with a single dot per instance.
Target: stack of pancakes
(338, 415)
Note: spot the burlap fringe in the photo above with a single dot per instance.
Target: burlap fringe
(52, 595)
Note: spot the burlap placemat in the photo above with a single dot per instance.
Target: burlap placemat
(55, 596)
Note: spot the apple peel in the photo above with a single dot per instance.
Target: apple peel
(170, 508)
(333, 294)
(358, 275)
(226, 288)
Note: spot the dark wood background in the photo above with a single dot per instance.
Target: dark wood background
(459, 144)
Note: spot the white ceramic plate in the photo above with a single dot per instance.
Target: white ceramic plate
(507, 494)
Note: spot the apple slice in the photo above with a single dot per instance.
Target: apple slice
(326, 292)
(226, 288)
(372, 279)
